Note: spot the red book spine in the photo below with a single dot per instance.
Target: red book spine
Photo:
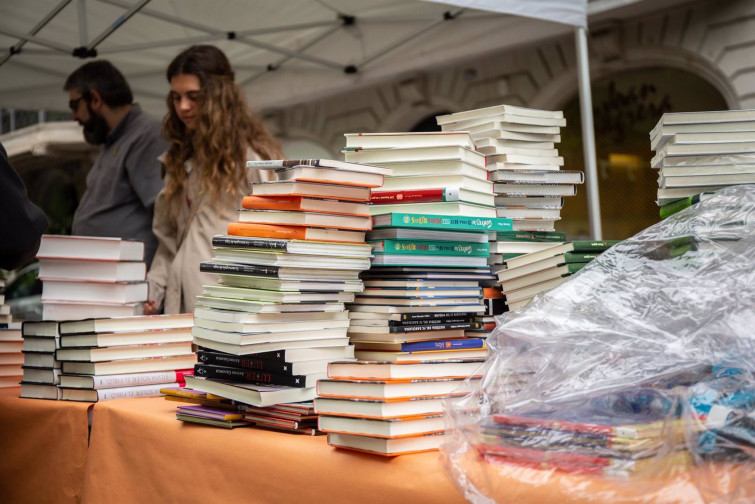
(410, 196)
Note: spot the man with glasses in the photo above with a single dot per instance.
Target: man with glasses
(126, 177)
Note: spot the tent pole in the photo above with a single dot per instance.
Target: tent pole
(83, 32)
(54, 12)
(588, 133)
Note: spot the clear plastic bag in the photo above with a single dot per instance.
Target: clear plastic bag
(633, 381)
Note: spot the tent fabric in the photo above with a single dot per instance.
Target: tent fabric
(570, 12)
(283, 52)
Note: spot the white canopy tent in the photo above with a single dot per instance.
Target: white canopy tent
(284, 52)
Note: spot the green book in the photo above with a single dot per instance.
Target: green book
(431, 221)
(592, 245)
(679, 205)
(430, 247)
(579, 257)
(554, 236)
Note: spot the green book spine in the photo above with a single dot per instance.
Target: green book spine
(447, 222)
(555, 236)
(431, 247)
(574, 267)
(678, 206)
(579, 257)
(592, 245)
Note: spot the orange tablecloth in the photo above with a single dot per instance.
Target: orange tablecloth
(139, 453)
(43, 449)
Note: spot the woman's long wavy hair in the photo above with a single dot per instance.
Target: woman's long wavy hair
(225, 128)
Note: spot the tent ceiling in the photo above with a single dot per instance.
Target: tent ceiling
(311, 44)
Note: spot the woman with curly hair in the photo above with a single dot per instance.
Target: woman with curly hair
(212, 134)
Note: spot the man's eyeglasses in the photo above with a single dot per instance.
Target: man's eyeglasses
(74, 104)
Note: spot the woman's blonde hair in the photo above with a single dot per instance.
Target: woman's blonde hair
(225, 128)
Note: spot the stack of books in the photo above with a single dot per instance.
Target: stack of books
(41, 370)
(391, 408)
(519, 144)
(11, 358)
(433, 172)
(86, 276)
(123, 357)
(296, 418)
(276, 317)
(5, 315)
(699, 152)
(530, 274)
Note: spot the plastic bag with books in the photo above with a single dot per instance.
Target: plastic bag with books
(632, 382)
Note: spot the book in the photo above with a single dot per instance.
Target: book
(496, 110)
(478, 125)
(90, 247)
(256, 348)
(666, 196)
(123, 293)
(524, 189)
(494, 147)
(67, 310)
(418, 293)
(377, 409)
(507, 119)
(706, 180)
(402, 310)
(124, 352)
(283, 326)
(448, 166)
(662, 133)
(39, 391)
(420, 284)
(441, 222)
(556, 249)
(261, 257)
(280, 272)
(251, 306)
(330, 176)
(390, 428)
(142, 337)
(386, 446)
(530, 291)
(253, 282)
(124, 380)
(679, 205)
(414, 183)
(391, 370)
(538, 176)
(393, 389)
(404, 154)
(426, 234)
(207, 412)
(311, 190)
(294, 232)
(253, 362)
(39, 360)
(356, 337)
(40, 328)
(413, 139)
(96, 395)
(32, 375)
(116, 324)
(306, 219)
(278, 164)
(549, 262)
(206, 314)
(303, 204)
(258, 339)
(452, 208)
(292, 355)
(142, 365)
(92, 271)
(364, 352)
(239, 375)
(529, 201)
(541, 276)
(30, 344)
(528, 213)
(432, 196)
(714, 169)
(430, 247)
(257, 395)
(435, 345)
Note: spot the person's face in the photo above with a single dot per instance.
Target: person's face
(185, 91)
(95, 126)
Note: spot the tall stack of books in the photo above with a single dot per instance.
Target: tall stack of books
(433, 173)
(276, 317)
(86, 276)
(699, 152)
(11, 358)
(41, 370)
(530, 274)
(519, 144)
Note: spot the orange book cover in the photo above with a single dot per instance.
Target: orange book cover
(293, 232)
(304, 204)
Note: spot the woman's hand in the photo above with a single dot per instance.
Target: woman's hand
(150, 307)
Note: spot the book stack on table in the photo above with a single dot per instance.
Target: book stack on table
(87, 276)
(106, 358)
(276, 317)
(5, 315)
(433, 172)
(519, 145)
(11, 358)
(701, 152)
(530, 274)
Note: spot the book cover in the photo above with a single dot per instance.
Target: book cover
(431, 221)
(430, 247)
(256, 376)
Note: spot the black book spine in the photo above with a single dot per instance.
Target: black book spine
(451, 320)
(243, 242)
(423, 316)
(248, 376)
(434, 327)
(244, 362)
(238, 269)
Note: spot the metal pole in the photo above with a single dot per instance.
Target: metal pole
(36, 29)
(588, 134)
(83, 32)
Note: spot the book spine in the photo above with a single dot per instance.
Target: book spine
(425, 316)
(131, 392)
(238, 269)
(414, 196)
(267, 231)
(442, 248)
(450, 320)
(131, 380)
(433, 327)
(579, 257)
(242, 362)
(449, 222)
(435, 345)
(228, 241)
(271, 202)
(249, 376)
(533, 236)
(592, 245)
(675, 206)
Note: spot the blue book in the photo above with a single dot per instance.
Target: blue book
(434, 345)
